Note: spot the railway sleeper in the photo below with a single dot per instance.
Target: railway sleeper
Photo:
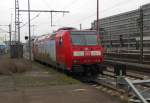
(140, 95)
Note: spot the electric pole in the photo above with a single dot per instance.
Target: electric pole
(33, 29)
(17, 21)
(9, 31)
(10, 34)
(141, 35)
(80, 26)
(46, 11)
(10, 39)
(30, 53)
(98, 16)
(51, 19)
(18, 26)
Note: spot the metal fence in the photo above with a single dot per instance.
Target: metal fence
(122, 31)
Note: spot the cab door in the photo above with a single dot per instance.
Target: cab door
(60, 50)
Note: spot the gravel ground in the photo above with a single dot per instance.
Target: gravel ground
(45, 85)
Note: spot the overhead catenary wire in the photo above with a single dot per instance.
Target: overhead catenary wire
(4, 30)
(70, 4)
(46, 4)
(51, 13)
(93, 14)
(31, 20)
(66, 6)
(105, 10)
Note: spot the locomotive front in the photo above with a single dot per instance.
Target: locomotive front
(87, 53)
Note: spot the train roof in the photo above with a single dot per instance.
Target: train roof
(51, 35)
(42, 37)
(67, 28)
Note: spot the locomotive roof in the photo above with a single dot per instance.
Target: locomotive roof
(75, 30)
(67, 28)
(54, 33)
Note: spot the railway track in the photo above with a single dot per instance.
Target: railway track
(107, 83)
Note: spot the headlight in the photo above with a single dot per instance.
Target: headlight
(96, 53)
(78, 53)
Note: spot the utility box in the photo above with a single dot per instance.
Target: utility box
(16, 51)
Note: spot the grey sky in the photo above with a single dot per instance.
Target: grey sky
(81, 12)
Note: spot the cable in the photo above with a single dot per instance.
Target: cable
(4, 30)
(69, 4)
(46, 3)
(118, 4)
(105, 10)
(31, 20)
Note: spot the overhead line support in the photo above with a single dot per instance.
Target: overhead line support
(43, 11)
(46, 11)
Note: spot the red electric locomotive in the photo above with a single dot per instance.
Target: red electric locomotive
(70, 49)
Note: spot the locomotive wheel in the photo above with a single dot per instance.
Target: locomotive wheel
(95, 70)
(69, 73)
(87, 71)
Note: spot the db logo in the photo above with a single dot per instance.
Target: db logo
(86, 49)
(87, 53)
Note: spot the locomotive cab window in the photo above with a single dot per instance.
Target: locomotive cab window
(84, 38)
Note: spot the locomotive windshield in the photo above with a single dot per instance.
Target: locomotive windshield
(84, 38)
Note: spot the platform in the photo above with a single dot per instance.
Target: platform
(44, 85)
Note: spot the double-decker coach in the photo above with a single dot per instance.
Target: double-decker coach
(71, 50)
